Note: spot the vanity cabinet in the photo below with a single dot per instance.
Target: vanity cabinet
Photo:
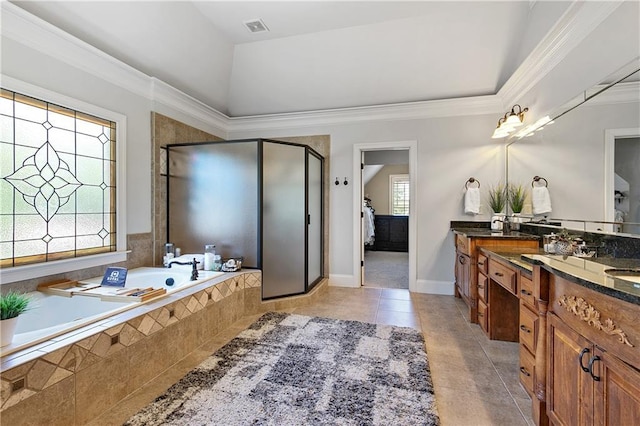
(472, 268)
(587, 385)
(593, 357)
(528, 330)
(463, 268)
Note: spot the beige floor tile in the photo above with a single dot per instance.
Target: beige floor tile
(395, 293)
(470, 411)
(396, 305)
(400, 319)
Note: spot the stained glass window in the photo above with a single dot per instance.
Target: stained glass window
(57, 182)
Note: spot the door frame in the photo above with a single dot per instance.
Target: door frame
(610, 136)
(358, 149)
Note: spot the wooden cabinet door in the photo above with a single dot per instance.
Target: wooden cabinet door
(617, 392)
(463, 266)
(569, 387)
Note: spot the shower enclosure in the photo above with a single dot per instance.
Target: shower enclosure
(258, 199)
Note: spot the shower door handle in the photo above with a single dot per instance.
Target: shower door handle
(308, 219)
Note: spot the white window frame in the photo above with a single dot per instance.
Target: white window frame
(392, 179)
(37, 270)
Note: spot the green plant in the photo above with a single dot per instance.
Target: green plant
(13, 304)
(516, 194)
(564, 235)
(497, 198)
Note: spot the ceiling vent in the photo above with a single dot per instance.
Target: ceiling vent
(255, 26)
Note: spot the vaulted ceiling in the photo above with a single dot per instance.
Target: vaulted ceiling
(317, 55)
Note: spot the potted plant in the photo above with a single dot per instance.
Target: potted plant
(497, 203)
(12, 304)
(564, 243)
(516, 195)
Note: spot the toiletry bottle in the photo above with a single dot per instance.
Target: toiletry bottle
(209, 255)
(169, 253)
(217, 262)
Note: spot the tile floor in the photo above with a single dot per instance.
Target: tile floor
(475, 379)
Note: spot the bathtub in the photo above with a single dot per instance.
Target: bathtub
(50, 315)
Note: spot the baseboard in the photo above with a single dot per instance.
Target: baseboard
(336, 280)
(434, 287)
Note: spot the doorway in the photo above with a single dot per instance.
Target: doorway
(384, 186)
(622, 179)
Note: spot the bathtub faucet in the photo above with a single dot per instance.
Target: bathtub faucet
(194, 268)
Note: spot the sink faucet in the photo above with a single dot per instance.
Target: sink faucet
(194, 268)
(506, 227)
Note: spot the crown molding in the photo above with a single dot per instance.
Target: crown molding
(170, 96)
(28, 29)
(578, 21)
(621, 93)
(405, 111)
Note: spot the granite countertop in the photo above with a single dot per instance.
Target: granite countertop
(488, 233)
(591, 273)
(513, 255)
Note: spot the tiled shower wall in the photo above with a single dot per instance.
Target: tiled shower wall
(167, 131)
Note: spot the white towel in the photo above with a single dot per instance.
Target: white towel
(540, 200)
(472, 201)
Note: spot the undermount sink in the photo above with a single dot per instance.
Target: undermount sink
(632, 275)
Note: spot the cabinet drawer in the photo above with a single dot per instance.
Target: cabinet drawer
(528, 328)
(526, 291)
(503, 275)
(527, 369)
(483, 263)
(463, 244)
(483, 314)
(483, 287)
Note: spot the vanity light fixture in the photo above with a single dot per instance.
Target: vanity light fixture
(515, 119)
(501, 130)
(509, 122)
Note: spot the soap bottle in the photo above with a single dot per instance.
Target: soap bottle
(169, 253)
(209, 256)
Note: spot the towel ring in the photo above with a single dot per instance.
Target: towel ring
(538, 179)
(471, 180)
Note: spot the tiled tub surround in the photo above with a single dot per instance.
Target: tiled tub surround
(51, 315)
(74, 378)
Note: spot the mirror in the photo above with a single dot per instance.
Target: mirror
(589, 156)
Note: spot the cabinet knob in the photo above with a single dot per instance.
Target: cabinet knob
(582, 353)
(525, 372)
(525, 329)
(525, 292)
(480, 263)
(498, 274)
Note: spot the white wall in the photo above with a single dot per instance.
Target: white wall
(76, 70)
(450, 150)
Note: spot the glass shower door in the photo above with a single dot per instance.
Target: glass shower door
(314, 219)
(283, 219)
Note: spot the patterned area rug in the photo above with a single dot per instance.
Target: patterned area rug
(288, 369)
